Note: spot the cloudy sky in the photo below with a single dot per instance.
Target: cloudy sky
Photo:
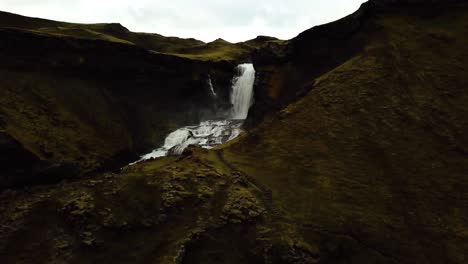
(232, 20)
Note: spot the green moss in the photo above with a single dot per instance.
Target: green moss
(80, 205)
(215, 52)
(241, 206)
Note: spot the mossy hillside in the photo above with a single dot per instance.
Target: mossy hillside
(218, 50)
(173, 210)
(371, 163)
(80, 33)
(286, 70)
(41, 114)
(260, 41)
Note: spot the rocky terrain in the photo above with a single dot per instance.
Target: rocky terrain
(356, 152)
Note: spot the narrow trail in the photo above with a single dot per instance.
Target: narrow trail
(267, 194)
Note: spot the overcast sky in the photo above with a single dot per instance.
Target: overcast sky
(207, 20)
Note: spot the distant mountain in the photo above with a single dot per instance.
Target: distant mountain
(110, 32)
(218, 49)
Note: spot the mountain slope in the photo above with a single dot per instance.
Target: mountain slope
(373, 160)
(114, 32)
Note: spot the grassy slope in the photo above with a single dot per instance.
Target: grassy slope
(223, 50)
(374, 158)
(192, 209)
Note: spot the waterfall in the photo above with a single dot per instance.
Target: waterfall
(242, 91)
(207, 135)
(211, 133)
(210, 84)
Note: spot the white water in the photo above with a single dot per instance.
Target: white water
(242, 92)
(211, 133)
(207, 135)
(210, 84)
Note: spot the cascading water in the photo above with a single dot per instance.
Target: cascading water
(242, 91)
(210, 84)
(211, 133)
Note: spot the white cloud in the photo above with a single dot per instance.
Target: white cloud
(233, 20)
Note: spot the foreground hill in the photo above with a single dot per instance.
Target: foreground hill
(365, 162)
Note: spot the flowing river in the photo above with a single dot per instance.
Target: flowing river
(211, 133)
